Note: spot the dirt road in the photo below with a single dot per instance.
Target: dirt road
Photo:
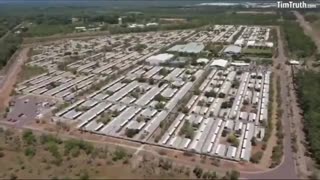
(308, 29)
(9, 80)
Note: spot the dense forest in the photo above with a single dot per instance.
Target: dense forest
(7, 23)
(8, 45)
(308, 83)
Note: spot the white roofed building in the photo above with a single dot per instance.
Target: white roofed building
(219, 63)
(203, 60)
(232, 50)
(160, 58)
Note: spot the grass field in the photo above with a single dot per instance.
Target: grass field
(47, 30)
(30, 71)
(258, 52)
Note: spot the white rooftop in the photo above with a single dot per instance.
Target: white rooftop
(202, 60)
(233, 49)
(220, 62)
(160, 58)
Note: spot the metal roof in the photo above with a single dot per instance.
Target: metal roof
(233, 49)
(192, 47)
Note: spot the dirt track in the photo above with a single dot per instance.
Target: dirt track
(11, 75)
(308, 29)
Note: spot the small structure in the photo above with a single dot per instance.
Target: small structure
(294, 62)
(202, 61)
(136, 26)
(120, 21)
(239, 42)
(160, 58)
(219, 63)
(240, 63)
(80, 29)
(152, 24)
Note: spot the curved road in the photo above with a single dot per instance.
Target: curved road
(287, 168)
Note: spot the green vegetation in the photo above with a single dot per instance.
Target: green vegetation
(29, 138)
(269, 124)
(312, 17)
(105, 118)
(139, 47)
(40, 30)
(119, 154)
(8, 45)
(256, 157)
(308, 84)
(7, 24)
(214, 49)
(30, 71)
(72, 145)
(277, 151)
(46, 21)
(233, 140)
(187, 130)
(299, 44)
(260, 52)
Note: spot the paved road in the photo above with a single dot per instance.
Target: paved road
(287, 169)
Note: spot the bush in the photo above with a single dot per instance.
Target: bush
(82, 145)
(30, 151)
(234, 175)
(256, 157)
(119, 154)
(187, 130)
(211, 93)
(29, 137)
(131, 132)
(1, 154)
(233, 140)
(198, 171)
(84, 175)
(44, 138)
(165, 164)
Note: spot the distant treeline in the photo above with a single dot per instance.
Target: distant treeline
(308, 93)
(7, 23)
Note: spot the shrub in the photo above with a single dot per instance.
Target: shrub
(30, 151)
(256, 157)
(119, 154)
(29, 137)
